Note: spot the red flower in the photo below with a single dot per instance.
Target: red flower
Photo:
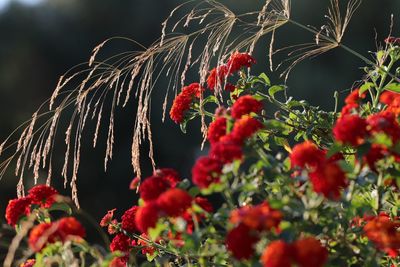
(17, 208)
(28, 263)
(306, 154)
(261, 217)
(376, 153)
(240, 242)
(350, 129)
(70, 228)
(118, 262)
(216, 130)
(238, 61)
(246, 105)
(388, 97)
(204, 204)
(147, 216)
(230, 87)
(183, 101)
(328, 179)
(226, 151)
(152, 187)
(392, 40)
(309, 252)
(43, 195)
(354, 97)
(245, 127)
(217, 76)
(384, 122)
(384, 232)
(107, 219)
(206, 171)
(278, 254)
(121, 243)
(134, 183)
(169, 174)
(128, 220)
(348, 109)
(174, 202)
(41, 235)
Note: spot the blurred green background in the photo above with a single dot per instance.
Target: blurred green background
(40, 40)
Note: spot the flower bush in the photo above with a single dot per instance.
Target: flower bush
(281, 183)
(297, 186)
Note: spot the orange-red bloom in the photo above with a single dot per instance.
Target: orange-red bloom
(174, 202)
(216, 130)
(28, 263)
(121, 243)
(309, 252)
(226, 151)
(152, 187)
(239, 60)
(128, 220)
(278, 254)
(260, 217)
(306, 154)
(245, 128)
(384, 233)
(217, 76)
(147, 216)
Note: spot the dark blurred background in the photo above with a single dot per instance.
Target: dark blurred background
(40, 40)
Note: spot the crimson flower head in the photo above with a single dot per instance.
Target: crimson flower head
(240, 241)
(43, 195)
(388, 97)
(183, 101)
(169, 174)
(216, 130)
(245, 105)
(147, 216)
(206, 171)
(174, 202)
(354, 97)
(278, 254)
(217, 76)
(310, 252)
(350, 129)
(17, 208)
(306, 154)
(152, 187)
(384, 122)
(392, 40)
(329, 179)
(128, 220)
(239, 60)
(121, 243)
(226, 151)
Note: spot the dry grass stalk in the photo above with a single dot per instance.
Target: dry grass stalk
(136, 74)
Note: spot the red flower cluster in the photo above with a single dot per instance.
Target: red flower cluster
(162, 180)
(65, 229)
(385, 233)
(128, 220)
(392, 40)
(183, 101)
(28, 263)
(226, 147)
(245, 105)
(123, 244)
(41, 195)
(304, 252)
(250, 222)
(352, 102)
(350, 129)
(325, 174)
(236, 62)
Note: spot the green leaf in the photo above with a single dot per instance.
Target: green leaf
(275, 89)
(395, 87)
(265, 78)
(365, 87)
(61, 207)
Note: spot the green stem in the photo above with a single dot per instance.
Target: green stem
(382, 84)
